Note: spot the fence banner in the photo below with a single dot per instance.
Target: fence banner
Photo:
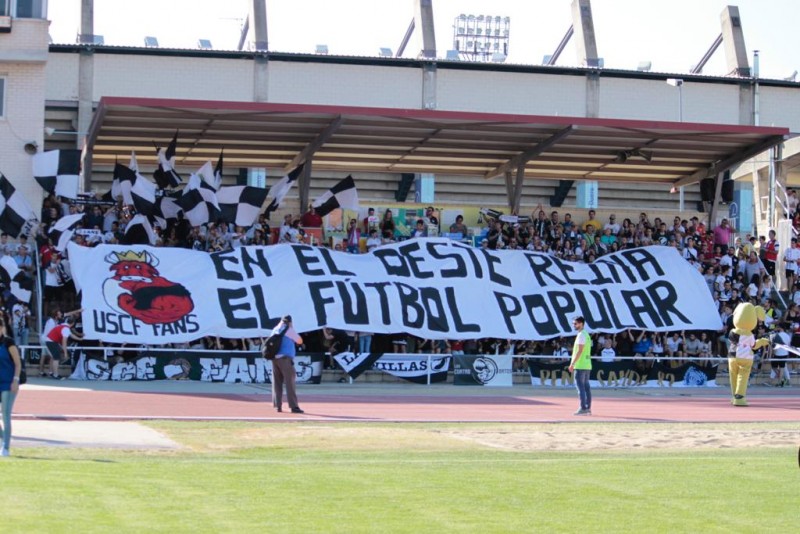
(483, 370)
(432, 288)
(625, 373)
(411, 367)
(214, 366)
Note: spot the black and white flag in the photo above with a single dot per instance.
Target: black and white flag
(167, 209)
(16, 215)
(20, 285)
(241, 204)
(342, 195)
(165, 175)
(139, 231)
(121, 186)
(199, 202)
(61, 231)
(58, 171)
(212, 176)
(143, 194)
(279, 190)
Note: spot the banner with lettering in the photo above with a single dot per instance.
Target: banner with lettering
(432, 288)
(412, 367)
(212, 366)
(624, 373)
(483, 370)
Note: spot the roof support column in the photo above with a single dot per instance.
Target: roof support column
(304, 185)
(586, 48)
(509, 189)
(423, 19)
(583, 25)
(518, 189)
(733, 39)
(429, 85)
(258, 22)
(86, 87)
(712, 216)
(261, 78)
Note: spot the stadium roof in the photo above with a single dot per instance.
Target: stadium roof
(350, 139)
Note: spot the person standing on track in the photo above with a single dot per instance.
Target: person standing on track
(10, 369)
(581, 365)
(283, 366)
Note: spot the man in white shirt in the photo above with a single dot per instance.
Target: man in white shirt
(612, 225)
(790, 260)
(373, 241)
(674, 346)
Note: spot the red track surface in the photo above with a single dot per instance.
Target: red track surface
(534, 407)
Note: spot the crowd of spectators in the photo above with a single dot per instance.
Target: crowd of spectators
(735, 270)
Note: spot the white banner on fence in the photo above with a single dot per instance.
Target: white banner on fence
(432, 288)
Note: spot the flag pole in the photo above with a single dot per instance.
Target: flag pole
(39, 286)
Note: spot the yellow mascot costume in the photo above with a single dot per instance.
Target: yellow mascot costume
(743, 343)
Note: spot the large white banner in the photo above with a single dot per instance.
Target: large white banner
(432, 288)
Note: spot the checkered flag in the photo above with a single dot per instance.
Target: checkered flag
(241, 204)
(143, 194)
(199, 202)
(15, 279)
(167, 209)
(121, 186)
(139, 231)
(58, 171)
(165, 175)
(16, 215)
(342, 195)
(61, 231)
(280, 189)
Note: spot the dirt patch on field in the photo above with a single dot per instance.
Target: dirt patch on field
(611, 438)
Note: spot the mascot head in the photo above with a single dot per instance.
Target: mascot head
(746, 317)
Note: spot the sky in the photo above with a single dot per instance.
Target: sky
(672, 34)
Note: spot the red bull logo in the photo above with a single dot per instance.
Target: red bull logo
(137, 289)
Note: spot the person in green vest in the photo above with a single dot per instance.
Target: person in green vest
(581, 365)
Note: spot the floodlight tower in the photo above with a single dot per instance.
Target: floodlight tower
(481, 37)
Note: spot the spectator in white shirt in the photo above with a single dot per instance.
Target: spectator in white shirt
(373, 241)
(608, 354)
(612, 224)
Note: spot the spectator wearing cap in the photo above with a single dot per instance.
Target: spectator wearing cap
(790, 259)
(283, 366)
(722, 235)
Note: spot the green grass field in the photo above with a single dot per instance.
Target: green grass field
(247, 477)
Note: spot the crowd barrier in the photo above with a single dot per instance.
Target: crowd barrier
(104, 363)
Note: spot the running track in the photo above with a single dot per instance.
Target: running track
(351, 403)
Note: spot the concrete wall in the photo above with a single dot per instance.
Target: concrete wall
(22, 64)
(533, 93)
(346, 85)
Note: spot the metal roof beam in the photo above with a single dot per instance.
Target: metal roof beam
(731, 161)
(697, 69)
(531, 153)
(561, 46)
(406, 38)
(314, 145)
